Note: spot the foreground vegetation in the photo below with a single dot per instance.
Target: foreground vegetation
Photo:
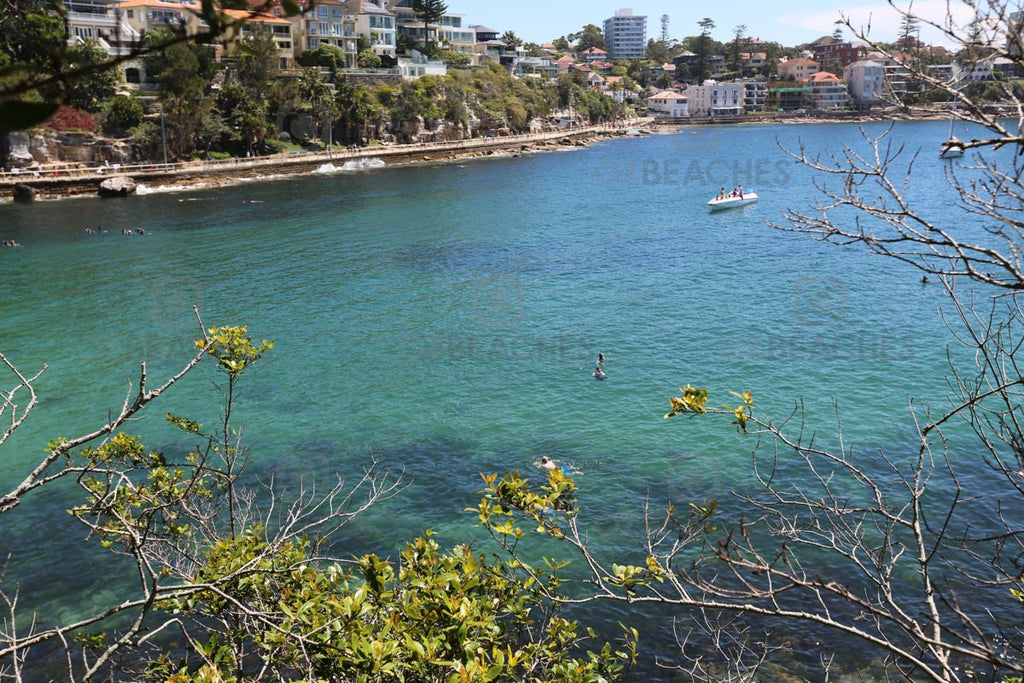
(236, 584)
(241, 584)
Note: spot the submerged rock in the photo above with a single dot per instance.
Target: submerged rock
(121, 186)
(24, 194)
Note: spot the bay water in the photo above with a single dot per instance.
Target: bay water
(444, 319)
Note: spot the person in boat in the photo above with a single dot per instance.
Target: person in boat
(723, 195)
(739, 192)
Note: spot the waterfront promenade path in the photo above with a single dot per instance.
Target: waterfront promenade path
(65, 179)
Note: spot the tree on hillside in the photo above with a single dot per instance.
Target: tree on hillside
(772, 52)
(658, 52)
(702, 48)
(320, 98)
(739, 42)
(590, 36)
(913, 554)
(909, 34)
(429, 12)
(511, 41)
(358, 110)
(97, 85)
(184, 99)
(664, 36)
(42, 66)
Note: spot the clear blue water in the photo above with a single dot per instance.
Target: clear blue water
(445, 319)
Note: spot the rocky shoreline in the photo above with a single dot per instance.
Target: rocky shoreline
(65, 180)
(57, 182)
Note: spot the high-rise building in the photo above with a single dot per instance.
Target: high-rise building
(625, 35)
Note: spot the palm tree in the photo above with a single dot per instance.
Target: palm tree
(319, 94)
(511, 41)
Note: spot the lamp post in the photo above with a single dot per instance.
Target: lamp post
(163, 135)
(330, 133)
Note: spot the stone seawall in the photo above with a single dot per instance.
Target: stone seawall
(57, 182)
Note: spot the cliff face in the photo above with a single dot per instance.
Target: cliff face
(23, 149)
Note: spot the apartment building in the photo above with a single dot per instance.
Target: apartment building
(828, 92)
(327, 24)
(865, 81)
(625, 35)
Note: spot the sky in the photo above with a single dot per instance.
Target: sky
(791, 23)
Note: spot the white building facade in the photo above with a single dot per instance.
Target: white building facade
(669, 103)
(716, 99)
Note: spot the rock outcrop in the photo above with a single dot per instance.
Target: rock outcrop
(24, 149)
(23, 194)
(119, 186)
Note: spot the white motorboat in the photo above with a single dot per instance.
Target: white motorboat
(731, 201)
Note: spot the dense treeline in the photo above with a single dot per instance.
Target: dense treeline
(194, 105)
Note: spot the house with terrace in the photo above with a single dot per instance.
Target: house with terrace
(668, 103)
(828, 92)
(712, 98)
(103, 22)
(798, 69)
(376, 23)
(245, 25)
(327, 23)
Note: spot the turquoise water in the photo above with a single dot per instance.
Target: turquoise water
(445, 320)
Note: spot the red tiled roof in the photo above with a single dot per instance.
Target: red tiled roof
(263, 17)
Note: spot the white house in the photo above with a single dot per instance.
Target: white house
(669, 103)
(376, 23)
(716, 99)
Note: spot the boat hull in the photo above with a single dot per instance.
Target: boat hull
(718, 204)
